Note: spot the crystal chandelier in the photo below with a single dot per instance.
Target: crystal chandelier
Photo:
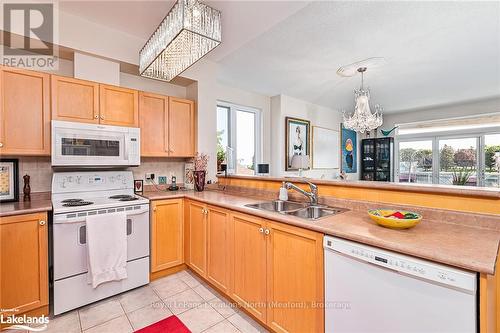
(189, 31)
(363, 120)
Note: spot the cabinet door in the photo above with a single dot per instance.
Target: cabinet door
(24, 112)
(23, 262)
(181, 130)
(118, 106)
(218, 267)
(295, 277)
(75, 100)
(153, 121)
(167, 224)
(248, 263)
(198, 238)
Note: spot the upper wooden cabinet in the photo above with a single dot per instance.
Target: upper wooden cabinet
(153, 121)
(75, 100)
(167, 234)
(181, 127)
(23, 262)
(24, 112)
(118, 106)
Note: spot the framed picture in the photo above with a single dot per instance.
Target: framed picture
(138, 185)
(325, 148)
(9, 182)
(297, 140)
(349, 150)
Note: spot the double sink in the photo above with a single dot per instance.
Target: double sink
(299, 209)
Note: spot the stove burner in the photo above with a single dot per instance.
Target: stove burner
(129, 199)
(77, 203)
(121, 196)
(71, 200)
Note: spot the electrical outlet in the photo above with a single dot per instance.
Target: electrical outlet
(150, 176)
(162, 180)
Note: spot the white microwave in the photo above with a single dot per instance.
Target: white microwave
(81, 144)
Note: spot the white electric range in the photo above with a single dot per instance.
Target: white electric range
(76, 195)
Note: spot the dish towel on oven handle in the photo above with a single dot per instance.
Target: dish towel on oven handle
(106, 248)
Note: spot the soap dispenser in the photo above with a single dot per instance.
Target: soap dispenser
(283, 192)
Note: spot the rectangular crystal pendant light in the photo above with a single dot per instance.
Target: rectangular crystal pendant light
(189, 31)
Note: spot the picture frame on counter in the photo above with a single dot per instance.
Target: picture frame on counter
(9, 180)
(138, 186)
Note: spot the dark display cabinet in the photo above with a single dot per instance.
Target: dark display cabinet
(377, 159)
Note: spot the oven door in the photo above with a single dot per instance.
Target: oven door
(77, 144)
(70, 243)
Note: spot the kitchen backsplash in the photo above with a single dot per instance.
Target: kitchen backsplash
(40, 171)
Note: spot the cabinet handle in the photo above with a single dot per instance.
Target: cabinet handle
(102, 117)
(42, 222)
(267, 232)
(261, 230)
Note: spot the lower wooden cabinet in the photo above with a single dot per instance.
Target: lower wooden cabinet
(167, 234)
(294, 279)
(197, 237)
(248, 268)
(218, 259)
(273, 270)
(23, 263)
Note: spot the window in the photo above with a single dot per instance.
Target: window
(449, 158)
(238, 137)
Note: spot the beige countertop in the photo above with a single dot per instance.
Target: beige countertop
(40, 202)
(471, 248)
(482, 192)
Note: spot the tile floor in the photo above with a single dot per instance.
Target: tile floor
(198, 306)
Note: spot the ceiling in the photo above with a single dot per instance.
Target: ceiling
(436, 52)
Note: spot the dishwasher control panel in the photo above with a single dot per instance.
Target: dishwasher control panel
(404, 264)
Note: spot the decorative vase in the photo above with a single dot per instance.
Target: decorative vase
(199, 180)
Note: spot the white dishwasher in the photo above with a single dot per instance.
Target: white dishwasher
(371, 290)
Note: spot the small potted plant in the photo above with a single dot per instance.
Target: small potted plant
(200, 171)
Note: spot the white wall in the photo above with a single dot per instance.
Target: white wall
(96, 69)
(285, 106)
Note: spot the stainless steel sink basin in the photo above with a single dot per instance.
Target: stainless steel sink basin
(278, 206)
(315, 212)
(298, 209)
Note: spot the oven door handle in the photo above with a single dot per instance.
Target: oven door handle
(82, 232)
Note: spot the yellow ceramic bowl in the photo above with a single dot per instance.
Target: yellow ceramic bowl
(379, 216)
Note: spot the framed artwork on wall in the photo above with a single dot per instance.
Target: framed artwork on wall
(297, 143)
(349, 150)
(138, 186)
(9, 182)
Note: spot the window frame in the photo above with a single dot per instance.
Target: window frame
(435, 137)
(232, 136)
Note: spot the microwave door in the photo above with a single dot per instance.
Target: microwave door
(75, 147)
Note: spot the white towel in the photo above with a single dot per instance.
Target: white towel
(106, 248)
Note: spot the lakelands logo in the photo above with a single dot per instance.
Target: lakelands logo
(33, 324)
(29, 32)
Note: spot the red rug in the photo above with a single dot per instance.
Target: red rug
(171, 324)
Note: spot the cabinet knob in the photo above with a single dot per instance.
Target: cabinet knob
(267, 232)
(42, 222)
(261, 230)
(154, 209)
(1, 145)
(96, 117)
